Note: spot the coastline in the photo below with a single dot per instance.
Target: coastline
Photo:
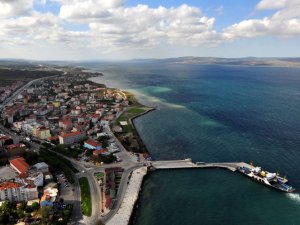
(138, 202)
(136, 131)
(131, 119)
(132, 195)
(126, 214)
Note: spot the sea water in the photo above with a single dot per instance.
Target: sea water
(215, 113)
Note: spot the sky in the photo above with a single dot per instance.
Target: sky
(130, 29)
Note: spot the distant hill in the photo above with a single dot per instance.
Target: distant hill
(249, 61)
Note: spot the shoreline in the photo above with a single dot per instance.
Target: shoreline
(136, 131)
(148, 109)
(132, 195)
(130, 214)
(138, 202)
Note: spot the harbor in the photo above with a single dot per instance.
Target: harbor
(123, 215)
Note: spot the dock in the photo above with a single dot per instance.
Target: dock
(123, 214)
(188, 164)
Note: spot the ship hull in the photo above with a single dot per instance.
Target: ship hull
(261, 181)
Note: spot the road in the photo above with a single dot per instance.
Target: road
(20, 90)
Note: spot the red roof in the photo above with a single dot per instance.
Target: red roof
(92, 143)
(4, 138)
(19, 164)
(108, 201)
(71, 134)
(9, 147)
(67, 122)
(100, 151)
(8, 185)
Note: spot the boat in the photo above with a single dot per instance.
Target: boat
(269, 179)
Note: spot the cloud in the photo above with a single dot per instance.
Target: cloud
(271, 4)
(9, 8)
(87, 9)
(111, 25)
(43, 27)
(285, 22)
(114, 25)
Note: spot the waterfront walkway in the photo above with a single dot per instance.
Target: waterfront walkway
(122, 217)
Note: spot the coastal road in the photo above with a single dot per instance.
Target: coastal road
(20, 90)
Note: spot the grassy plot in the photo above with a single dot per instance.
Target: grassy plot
(129, 136)
(99, 175)
(130, 113)
(86, 201)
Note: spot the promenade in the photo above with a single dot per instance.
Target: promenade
(131, 196)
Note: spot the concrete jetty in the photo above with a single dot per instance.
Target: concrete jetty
(122, 216)
(188, 164)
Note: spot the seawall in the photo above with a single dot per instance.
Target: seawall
(122, 217)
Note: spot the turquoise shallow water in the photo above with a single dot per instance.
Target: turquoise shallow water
(216, 113)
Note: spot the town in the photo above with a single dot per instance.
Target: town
(57, 135)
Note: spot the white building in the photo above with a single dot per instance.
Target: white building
(15, 192)
(36, 178)
(71, 138)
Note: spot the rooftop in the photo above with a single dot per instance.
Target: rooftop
(6, 172)
(92, 143)
(8, 185)
(19, 164)
(71, 134)
(100, 151)
(12, 146)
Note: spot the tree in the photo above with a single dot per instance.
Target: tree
(45, 214)
(104, 143)
(35, 206)
(89, 153)
(5, 211)
(107, 158)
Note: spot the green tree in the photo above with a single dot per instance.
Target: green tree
(89, 153)
(45, 213)
(5, 211)
(35, 206)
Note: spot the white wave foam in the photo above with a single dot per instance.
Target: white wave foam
(294, 196)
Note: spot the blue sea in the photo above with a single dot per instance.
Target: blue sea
(215, 113)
